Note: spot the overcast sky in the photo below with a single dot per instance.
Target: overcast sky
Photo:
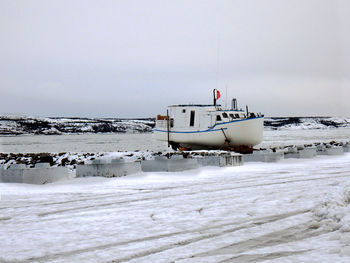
(133, 58)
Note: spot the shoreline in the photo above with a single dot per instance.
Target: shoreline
(70, 160)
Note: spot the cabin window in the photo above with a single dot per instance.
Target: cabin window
(224, 115)
(183, 110)
(237, 116)
(232, 116)
(218, 118)
(171, 123)
(192, 118)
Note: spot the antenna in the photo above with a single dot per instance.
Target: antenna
(218, 62)
(226, 96)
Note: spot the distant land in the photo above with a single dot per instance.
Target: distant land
(21, 125)
(18, 125)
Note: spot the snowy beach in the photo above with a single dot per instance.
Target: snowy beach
(291, 211)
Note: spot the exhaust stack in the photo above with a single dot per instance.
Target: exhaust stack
(234, 104)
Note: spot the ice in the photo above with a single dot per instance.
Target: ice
(301, 137)
(90, 143)
(290, 211)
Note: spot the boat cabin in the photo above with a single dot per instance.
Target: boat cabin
(198, 117)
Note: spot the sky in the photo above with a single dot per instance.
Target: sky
(134, 58)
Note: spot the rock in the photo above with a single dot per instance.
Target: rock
(64, 161)
(45, 158)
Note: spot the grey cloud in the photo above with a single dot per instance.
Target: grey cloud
(132, 58)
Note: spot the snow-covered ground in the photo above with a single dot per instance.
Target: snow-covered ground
(291, 211)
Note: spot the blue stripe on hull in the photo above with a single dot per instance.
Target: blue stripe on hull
(209, 130)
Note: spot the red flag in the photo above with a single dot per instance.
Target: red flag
(218, 94)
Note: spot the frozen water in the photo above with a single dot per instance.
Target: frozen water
(145, 141)
(298, 137)
(291, 211)
(111, 142)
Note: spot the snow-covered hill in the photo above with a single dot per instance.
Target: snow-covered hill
(305, 123)
(17, 125)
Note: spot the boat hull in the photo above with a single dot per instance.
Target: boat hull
(245, 132)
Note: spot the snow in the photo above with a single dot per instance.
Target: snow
(21, 125)
(305, 123)
(75, 143)
(283, 138)
(291, 211)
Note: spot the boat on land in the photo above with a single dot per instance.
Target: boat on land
(196, 126)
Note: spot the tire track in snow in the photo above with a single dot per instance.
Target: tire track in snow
(189, 241)
(238, 226)
(180, 186)
(95, 206)
(263, 257)
(111, 204)
(291, 234)
(150, 190)
(87, 198)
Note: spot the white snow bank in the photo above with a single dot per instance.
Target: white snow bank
(333, 212)
(282, 212)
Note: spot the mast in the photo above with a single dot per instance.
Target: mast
(214, 97)
(167, 126)
(226, 98)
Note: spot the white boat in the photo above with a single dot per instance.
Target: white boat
(209, 126)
